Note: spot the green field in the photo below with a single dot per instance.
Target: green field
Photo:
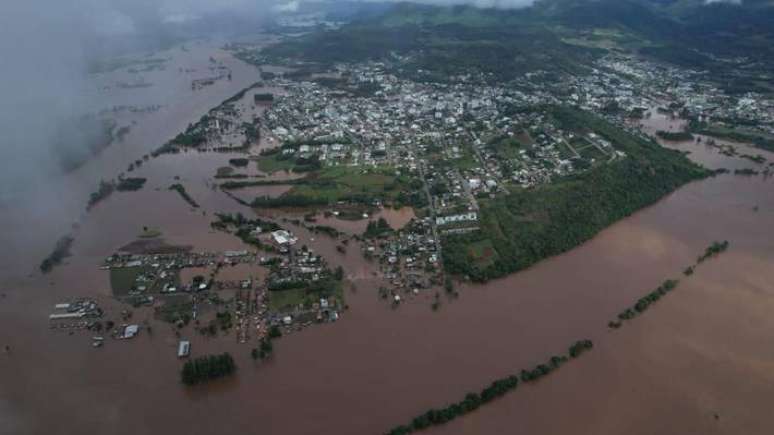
(287, 300)
(272, 163)
(122, 280)
(341, 183)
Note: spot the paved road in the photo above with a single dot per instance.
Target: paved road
(434, 227)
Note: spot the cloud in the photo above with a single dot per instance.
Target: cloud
(497, 4)
(291, 6)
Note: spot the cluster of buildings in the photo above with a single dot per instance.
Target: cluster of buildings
(629, 84)
(464, 140)
(409, 258)
(86, 314)
(312, 291)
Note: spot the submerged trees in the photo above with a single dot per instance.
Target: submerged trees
(206, 368)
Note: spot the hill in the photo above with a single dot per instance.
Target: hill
(734, 42)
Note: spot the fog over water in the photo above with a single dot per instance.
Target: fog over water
(47, 48)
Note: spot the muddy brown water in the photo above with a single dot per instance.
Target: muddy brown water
(699, 361)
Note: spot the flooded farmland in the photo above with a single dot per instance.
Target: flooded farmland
(699, 362)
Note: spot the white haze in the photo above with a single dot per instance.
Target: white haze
(46, 46)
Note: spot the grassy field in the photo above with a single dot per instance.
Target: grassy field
(123, 279)
(271, 163)
(175, 308)
(287, 300)
(338, 183)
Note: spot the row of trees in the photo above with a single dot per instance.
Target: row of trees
(206, 368)
(60, 252)
(500, 387)
(179, 188)
(667, 286)
(130, 184)
(644, 303)
(716, 248)
(239, 162)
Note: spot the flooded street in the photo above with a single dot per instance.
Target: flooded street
(701, 361)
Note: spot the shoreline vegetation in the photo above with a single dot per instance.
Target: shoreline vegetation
(715, 249)
(757, 139)
(498, 388)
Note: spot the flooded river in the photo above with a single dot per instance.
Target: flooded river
(700, 361)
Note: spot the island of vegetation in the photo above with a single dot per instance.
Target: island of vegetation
(207, 368)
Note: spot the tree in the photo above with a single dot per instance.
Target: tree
(275, 332)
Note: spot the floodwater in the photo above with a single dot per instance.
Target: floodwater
(396, 218)
(699, 148)
(699, 361)
(43, 213)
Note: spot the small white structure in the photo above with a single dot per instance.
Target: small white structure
(283, 237)
(131, 330)
(235, 253)
(62, 316)
(183, 349)
(443, 220)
